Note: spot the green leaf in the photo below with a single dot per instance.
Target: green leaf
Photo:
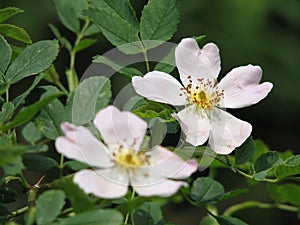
(14, 167)
(91, 30)
(10, 152)
(159, 21)
(8, 12)
(245, 152)
(127, 71)
(290, 167)
(15, 32)
(227, 220)
(28, 112)
(3, 86)
(32, 60)
(167, 64)
(91, 95)
(64, 41)
(285, 193)
(84, 44)
(31, 133)
(260, 148)
(75, 165)
(150, 109)
(200, 38)
(209, 220)
(266, 161)
(7, 195)
(7, 111)
(68, 13)
(121, 8)
(79, 200)
(38, 163)
(49, 120)
(116, 29)
(95, 217)
(19, 100)
(206, 189)
(49, 205)
(147, 214)
(5, 54)
(234, 193)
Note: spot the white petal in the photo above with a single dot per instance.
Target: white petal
(93, 182)
(195, 62)
(150, 183)
(241, 87)
(167, 164)
(166, 188)
(78, 143)
(228, 132)
(195, 124)
(160, 87)
(121, 128)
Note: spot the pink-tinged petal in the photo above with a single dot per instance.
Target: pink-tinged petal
(228, 132)
(241, 87)
(195, 62)
(166, 163)
(79, 143)
(160, 87)
(195, 124)
(121, 128)
(165, 188)
(99, 182)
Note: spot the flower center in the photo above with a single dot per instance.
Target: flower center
(204, 94)
(130, 157)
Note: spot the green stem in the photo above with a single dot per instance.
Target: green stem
(71, 75)
(251, 204)
(146, 60)
(127, 215)
(7, 95)
(19, 212)
(61, 166)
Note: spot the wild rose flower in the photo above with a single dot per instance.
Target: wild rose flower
(121, 161)
(204, 98)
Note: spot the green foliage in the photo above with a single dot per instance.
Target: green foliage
(159, 21)
(290, 167)
(226, 220)
(167, 64)
(31, 133)
(49, 120)
(118, 31)
(5, 54)
(8, 12)
(15, 32)
(244, 153)
(34, 59)
(38, 163)
(69, 12)
(95, 217)
(79, 200)
(10, 152)
(147, 214)
(206, 189)
(265, 162)
(127, 71)
(49, 205)
(285, 193)
(28, 112)
(91, 95)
